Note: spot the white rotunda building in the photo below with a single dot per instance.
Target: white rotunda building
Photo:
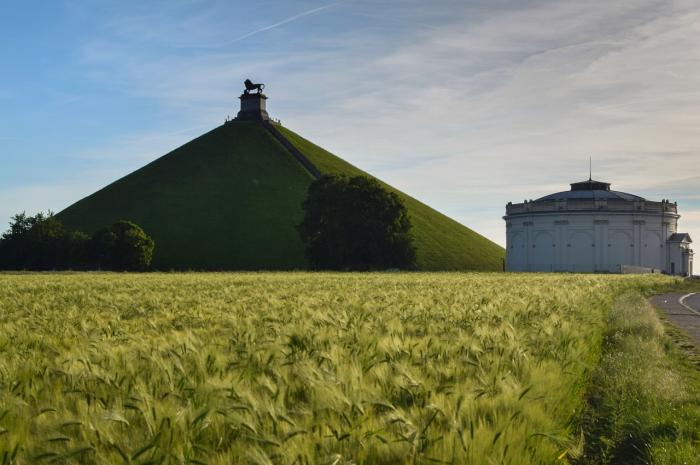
(592, 229)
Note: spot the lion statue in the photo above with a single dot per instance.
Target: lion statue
(249, 85)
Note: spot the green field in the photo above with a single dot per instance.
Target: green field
(231, 200)
(301, 368)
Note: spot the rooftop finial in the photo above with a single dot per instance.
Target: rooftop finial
(590, 168)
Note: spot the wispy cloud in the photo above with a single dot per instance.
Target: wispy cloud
(281, 23)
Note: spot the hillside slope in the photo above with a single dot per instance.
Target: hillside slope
(226, 200)
(442, 243)
(231, 199)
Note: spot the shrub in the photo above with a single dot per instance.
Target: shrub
(122, 246)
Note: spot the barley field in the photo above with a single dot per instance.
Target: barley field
(299, 368)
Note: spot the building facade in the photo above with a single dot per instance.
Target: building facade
(593, 229)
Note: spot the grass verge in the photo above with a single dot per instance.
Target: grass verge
(644, 401)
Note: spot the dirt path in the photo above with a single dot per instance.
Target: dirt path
(683, 310)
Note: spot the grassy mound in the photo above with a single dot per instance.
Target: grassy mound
(226, 200)
(231, 199)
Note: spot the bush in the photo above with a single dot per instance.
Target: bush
(122, 246)
(353, 223)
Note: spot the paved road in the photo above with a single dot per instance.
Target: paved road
(683, 310)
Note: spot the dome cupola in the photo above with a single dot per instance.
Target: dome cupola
(590, 190)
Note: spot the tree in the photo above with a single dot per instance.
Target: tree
(41, 242)
(12, 243)
(122, 246)
(353, 223)
(20, 224)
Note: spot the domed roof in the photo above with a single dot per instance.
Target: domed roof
(590, 190)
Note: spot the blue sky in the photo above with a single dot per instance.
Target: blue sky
(466, 105)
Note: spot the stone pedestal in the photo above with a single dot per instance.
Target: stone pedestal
(253, 108)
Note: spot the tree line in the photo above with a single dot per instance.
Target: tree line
(42, 242)
(349, 224)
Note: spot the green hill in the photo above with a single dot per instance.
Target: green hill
(230, 199)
